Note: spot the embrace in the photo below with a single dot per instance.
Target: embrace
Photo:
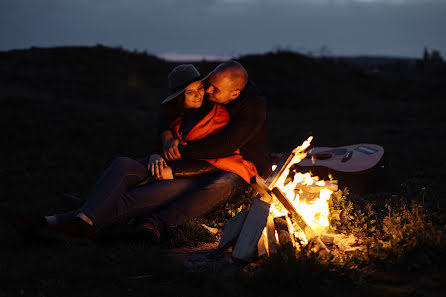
(212, 139)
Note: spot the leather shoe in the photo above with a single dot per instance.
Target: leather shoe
(71, 230)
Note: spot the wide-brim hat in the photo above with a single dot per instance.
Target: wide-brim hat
(180, 77)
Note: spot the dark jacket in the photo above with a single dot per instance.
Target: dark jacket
(247, 131)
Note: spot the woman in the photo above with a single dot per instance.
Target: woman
(122, 191)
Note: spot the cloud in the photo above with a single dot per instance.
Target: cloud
(228, 27)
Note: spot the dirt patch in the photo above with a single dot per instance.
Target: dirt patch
(204, 258)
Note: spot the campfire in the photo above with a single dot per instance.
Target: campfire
(290, 210)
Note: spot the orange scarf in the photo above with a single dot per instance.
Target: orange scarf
(213, 122)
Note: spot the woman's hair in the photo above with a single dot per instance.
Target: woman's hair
(179, 104)
(174, 108)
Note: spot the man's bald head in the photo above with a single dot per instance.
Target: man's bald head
(226, 81)
(235, 72)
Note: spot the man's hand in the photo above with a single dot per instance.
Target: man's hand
(170, 150)
(170, 146)
(157, 165)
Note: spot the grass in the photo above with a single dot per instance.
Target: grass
(62, 141)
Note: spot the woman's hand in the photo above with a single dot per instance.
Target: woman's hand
(157, 165)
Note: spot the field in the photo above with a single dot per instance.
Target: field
(67, 112)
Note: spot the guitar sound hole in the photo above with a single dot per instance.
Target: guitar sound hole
(323, 156)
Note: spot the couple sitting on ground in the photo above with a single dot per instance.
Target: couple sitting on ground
(212, 140)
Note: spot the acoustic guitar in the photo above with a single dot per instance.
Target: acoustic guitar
(355, 166)
(350, 158)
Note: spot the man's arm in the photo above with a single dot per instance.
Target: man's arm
(170, 146)
(243, 126)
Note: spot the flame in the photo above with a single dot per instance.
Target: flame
(277, 210)
(314, 209)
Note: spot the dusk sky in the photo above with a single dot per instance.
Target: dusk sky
(229, 27)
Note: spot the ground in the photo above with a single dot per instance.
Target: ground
(67, 112)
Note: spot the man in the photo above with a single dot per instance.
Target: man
(246, 131)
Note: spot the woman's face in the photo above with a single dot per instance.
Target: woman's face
(193, 95)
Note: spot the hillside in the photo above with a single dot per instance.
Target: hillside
(395, 103)
(65, 113)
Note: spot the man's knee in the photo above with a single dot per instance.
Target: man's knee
(226, 186)
(228, 179)
(126, 165)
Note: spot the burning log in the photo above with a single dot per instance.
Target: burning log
(332, 186)
(285, 239)
(262, 189)
(309, 232)
(287, 161)
(262, 248)
(327, 238)
(271, 235)
(302, 196)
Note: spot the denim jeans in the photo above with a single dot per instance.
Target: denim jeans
(117, 195)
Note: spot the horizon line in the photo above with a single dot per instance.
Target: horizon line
(193, 57)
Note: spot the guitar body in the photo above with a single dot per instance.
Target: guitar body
(354, 166)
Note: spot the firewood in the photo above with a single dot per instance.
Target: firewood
(252, 228)
(271, 235)
(327, 238)
(284, 161)
(309, 232)
(232, 229)
(291, 230)
(245, 247)
(285, 240)
(287, 161)
(261, 245)
(316, 188)
(261, 189)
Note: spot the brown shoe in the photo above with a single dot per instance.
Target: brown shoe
(71, 230)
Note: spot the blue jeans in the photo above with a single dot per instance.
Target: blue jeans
(117, 195)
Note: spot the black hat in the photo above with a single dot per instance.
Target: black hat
(180, 77)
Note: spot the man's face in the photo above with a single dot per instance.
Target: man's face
(220, 88)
